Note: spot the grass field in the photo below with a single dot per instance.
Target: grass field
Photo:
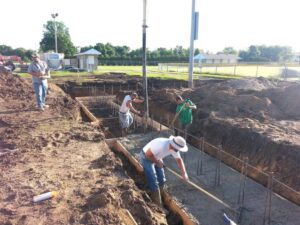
(181, 73)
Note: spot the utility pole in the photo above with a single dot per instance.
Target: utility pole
(194, 36)
(145, 57)
(54, 15)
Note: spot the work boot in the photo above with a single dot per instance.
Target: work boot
(155, 197)
(124, 132)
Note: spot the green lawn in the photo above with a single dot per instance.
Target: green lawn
(181, 73)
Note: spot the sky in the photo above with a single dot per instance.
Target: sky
(222, 23)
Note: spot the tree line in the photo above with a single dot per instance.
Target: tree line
(123, 55)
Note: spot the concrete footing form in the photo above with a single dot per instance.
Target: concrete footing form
(214, 188)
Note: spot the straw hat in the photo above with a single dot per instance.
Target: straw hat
(178, 143)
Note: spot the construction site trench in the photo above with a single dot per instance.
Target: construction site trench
(242, 159)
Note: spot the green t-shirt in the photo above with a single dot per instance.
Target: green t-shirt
(186, 114)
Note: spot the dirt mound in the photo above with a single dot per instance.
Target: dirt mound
(256, 84)
(13, 86)
(287, 100)
(252, 117)
(54, 151)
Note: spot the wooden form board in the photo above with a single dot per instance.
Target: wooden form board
(169, 201)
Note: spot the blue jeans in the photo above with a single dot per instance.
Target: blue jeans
(40, 90)
(125, 119)
(155, 175)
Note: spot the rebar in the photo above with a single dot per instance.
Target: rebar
(268, 207)
(241, 195)
(200, 159)
(134, 122)
(218, 168)
(160, 124)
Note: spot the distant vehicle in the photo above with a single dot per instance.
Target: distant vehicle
(7, 61)
(72, 69)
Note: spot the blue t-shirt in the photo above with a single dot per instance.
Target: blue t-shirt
(39, 66)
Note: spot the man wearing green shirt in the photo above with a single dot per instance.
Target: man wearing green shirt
(184, 110)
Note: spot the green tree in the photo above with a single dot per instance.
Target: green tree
(122, 51)
(229, 51)
(5, 50)
(110, 50)
(83, 49)
(64, 43)
(101, 48)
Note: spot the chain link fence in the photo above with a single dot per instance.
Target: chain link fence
(271, 70)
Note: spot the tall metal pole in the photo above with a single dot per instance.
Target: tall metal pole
(191, 63)
(145, 58)
(55, 33)
(55, 30)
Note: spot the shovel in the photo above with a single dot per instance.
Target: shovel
(178, 113)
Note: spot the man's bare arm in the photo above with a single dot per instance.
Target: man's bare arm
(130, 106)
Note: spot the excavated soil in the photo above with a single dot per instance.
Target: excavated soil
(253, 118)
(55, 151)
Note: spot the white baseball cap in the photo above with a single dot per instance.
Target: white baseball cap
(178, 143)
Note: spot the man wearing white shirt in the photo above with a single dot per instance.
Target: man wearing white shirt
(152, 157)
(125, 116)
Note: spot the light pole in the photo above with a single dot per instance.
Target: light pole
(54, 15)
(194, 36)
(145, 58)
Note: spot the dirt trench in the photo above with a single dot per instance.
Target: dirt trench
(254, 118)
(55, 150)
(261, 125)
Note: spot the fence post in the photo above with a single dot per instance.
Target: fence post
(285, 72)
(234, 73)
(256, 70)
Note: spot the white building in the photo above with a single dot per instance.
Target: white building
(88, 60)
(216, 59)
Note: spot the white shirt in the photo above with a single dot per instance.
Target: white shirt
(124, 108)
(160, 148)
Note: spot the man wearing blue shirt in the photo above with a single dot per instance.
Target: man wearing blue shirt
(39, 71)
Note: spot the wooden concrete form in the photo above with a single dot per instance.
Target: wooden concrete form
(87, 112)
(259, 176)
(149, 122)
(96, 98)
(169, 201)
(108, 100)
(115, 144)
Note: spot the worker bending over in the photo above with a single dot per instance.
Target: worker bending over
(125, 116)
(184, 112)
(152, 157)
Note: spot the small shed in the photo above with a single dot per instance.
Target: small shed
(88, 60)
(216, 59)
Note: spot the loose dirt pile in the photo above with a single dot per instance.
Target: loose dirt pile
(252, 117)
(55, 151)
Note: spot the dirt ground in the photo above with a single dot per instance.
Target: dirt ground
(253, 118)
(55, 151)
